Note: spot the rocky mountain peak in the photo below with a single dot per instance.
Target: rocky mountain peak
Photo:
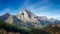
(25, 10)
(26, 14)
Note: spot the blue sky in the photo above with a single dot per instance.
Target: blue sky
(49, 8)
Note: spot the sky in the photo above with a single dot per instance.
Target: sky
(49, 8)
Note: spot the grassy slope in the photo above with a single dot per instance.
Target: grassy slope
(13, 28)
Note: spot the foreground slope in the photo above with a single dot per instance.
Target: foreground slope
(53, 29)
(6, 28)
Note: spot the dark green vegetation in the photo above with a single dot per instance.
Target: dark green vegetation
(38, 31)
(13, 28)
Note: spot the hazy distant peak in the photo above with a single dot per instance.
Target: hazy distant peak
(7, 14)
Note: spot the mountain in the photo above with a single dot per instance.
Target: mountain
(54, 21)
(28, 19)
(4, 17)
(12, 19)
(27, 16)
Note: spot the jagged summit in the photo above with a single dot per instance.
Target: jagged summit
(25, 10)
(26, 14)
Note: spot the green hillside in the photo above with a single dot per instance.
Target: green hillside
(13, 28)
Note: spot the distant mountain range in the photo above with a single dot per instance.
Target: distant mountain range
(28, 19)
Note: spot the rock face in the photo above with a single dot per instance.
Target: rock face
(28, 19)
(27, 16)
(13, 19)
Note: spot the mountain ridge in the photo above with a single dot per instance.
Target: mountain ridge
(28, 19)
